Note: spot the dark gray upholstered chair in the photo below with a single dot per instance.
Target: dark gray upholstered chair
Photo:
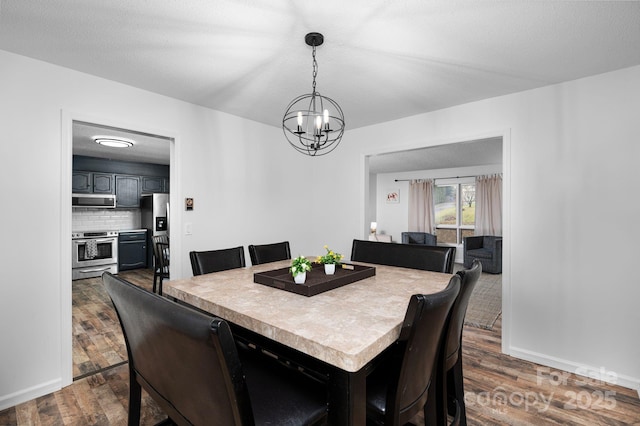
(189, 364)
(416, 256)
(204, 262)
(423, 238)
(158, 272)
(487, 249)
(405, 381)
(452, 359)
(266, 253)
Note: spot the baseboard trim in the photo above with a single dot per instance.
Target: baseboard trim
(589, 372)
(11, 400)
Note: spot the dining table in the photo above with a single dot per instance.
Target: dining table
(338, 333)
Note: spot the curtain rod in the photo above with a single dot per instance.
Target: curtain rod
(450, 177)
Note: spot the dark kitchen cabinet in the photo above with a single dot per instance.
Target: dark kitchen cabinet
(132, 250)
(92, 183)
(103, 183)
(152, 184)
(127, 191)
(82, 182)
(127, 180)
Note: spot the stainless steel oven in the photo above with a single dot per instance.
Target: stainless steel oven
(93, 253)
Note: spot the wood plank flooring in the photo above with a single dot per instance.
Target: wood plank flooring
(500, 390)
(97, 337)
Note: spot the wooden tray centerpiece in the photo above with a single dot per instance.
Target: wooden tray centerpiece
(317, 281)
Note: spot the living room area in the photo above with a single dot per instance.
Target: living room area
(432, 192)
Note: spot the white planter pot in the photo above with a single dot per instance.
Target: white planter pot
(330, 269)
(300, 278)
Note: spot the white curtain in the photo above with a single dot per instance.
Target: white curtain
(489, 205)
(421, 211)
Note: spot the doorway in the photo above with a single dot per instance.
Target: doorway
(127, 164)
(150, 147)
(440, 160)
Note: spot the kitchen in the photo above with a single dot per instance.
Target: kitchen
(120, 198)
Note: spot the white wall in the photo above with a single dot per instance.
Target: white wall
(571, 165)
(244, 177)
(572, 145)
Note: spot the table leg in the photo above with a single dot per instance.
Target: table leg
(347, 397)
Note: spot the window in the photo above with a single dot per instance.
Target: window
(455, 209)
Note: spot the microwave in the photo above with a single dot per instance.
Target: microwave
(98, 201)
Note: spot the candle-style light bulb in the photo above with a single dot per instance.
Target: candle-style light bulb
(299, 131)
(327, 129)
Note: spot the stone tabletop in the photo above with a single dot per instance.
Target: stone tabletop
(345, 327)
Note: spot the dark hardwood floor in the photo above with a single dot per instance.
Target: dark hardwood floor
(500, 390)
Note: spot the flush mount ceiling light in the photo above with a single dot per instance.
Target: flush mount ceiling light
(113, 141)
(313, 124)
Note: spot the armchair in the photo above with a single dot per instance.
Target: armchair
(487, 249)
(423, 238)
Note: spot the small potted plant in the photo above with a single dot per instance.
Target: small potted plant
(299, 267)
(330, 260)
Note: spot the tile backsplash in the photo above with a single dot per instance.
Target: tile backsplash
(105, 219)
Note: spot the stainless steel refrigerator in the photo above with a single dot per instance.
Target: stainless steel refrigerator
(154, 217)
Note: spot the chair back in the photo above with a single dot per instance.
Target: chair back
(416, 353)
(185, 360)
(163, 255)
(424, 238)
(155, 239)
(427, 258)
(266, 253)
(204, 262)
(453, 341)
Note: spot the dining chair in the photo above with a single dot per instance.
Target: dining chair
(157, 270)
(204, 262)
(416, 256)
(163, 254)
(406, 380)
(266, 253)
(452, 359)
(189, 364)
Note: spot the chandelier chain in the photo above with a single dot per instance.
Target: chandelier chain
(315, 69)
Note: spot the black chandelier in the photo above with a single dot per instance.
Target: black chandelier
(313, 124)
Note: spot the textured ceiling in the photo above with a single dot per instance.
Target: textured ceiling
(381, 60)
(146, 149)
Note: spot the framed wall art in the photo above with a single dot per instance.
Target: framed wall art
(393, 197)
